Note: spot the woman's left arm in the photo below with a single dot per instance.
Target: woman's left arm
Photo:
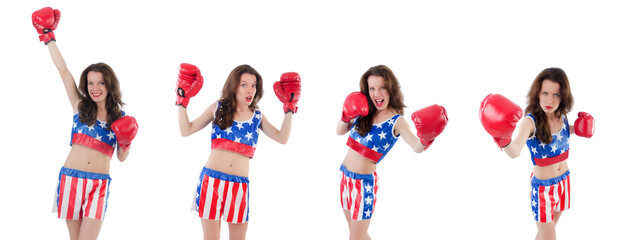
(272, 132)
(122, 155)
(401, 127)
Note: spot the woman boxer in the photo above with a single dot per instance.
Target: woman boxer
(223, 188)
(374, 129)
(99, 126)
(545, 130)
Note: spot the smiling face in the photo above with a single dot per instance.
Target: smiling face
(96, 85)
(246, 89)
(378, 92)
(549, 96)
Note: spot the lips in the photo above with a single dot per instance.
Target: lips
(379, 102)
(249, 98)
(548, 107)
(95, 94)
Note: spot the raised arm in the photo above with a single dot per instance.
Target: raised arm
(402, 128)
(188, 128)
(67, 77)
(355, 105)
(282, 135)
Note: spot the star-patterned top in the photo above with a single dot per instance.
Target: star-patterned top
(546, 154)
(240, 137)
(97, 136)
(379, 140)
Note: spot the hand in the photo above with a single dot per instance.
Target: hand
(188, 84)
(45, 21)
(499, 116)
(355, 105)
(584, 125)
(125, 129)
(429, 122)
(288, 91)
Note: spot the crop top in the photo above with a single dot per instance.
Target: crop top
(97, 136)
(554, 152)
(240, 137)
(379, 140)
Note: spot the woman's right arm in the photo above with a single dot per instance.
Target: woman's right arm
(342, 128)
(67, 77)
(525, 129)
(188, 128)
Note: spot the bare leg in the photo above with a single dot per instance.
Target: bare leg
(358, 229)
(237, 231)
(546, 231)
(73, 228)
(211, 229)
(90, 228)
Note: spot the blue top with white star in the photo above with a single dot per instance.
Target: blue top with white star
(98, 131)
(558, 145)
(245, 132)
(379, 140)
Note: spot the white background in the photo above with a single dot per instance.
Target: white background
(452, 54)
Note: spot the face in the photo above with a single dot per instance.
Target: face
(549, 96)
(96, 85)
(378, 92)
(246, 89)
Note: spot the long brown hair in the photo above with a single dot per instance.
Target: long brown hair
(87, 107)
(224, 116)
(557, 75)
(365, 123)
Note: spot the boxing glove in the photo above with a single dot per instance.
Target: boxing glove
(429, 122)
(45, 21)
(584, 125)
(188, 84)
(288, 91)
(355, 105)
(125, 130)
(499, 116)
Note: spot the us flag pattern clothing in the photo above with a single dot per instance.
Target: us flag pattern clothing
(81, 195)
(220, 194)
(358, 192)
(240, 137)
(97, 136)
(556, 151)
(549, 196)
(377, 142)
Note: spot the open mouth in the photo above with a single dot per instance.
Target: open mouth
(379, 102)
(249, 98)
(96, 94)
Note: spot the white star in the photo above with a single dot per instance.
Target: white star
(534, 215)
(368, 188)
(237, 140)
(98, 137)
(544, 156)
(378, 125)
(102, 124)
(543, 145)
(91, 127)
(248, 136)
(533, 150)
(250, 121)
(228, 130)
(213, 130)
(554, 148)
(239, 125)
(531, 138)
(369, 200)
(382, 135)
(258, 116)
(74, 125)
(562, 151)
(368, 212)
(391, 121)
(218, 136)
(533, 203)
(568, 140)
(369, 137)
(559, 136)
(111, 135)
(386, 146)
(79, 131)
(534, 190)
(375, 148)
(358, 139)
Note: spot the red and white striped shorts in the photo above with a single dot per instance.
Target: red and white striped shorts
(81, 195)
(549, 196)
(358, 192)
(220, 194)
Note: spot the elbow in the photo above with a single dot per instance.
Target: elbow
(284, 141)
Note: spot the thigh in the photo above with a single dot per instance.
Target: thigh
(237, 231)
(211, 229)
(90, 228)
(546, 231)
(73, 228)
(359, 229)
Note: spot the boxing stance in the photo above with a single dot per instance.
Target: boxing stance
(223, 188)
(373, 118)
(545, 130)
(99, 126)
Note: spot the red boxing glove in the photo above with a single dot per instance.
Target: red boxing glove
(584, 125)
(499, 116)
(188, 84)
(288, 91)
(429, 122)
(45, 21)
(355, 105)
(125, 129)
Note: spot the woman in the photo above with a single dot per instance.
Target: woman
(545, 130)
(374, 129)
(99, 126)
(223, 189)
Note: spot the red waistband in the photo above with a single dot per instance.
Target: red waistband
(241, 148)
(88, 141)
(363, 150)
(542, 162)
